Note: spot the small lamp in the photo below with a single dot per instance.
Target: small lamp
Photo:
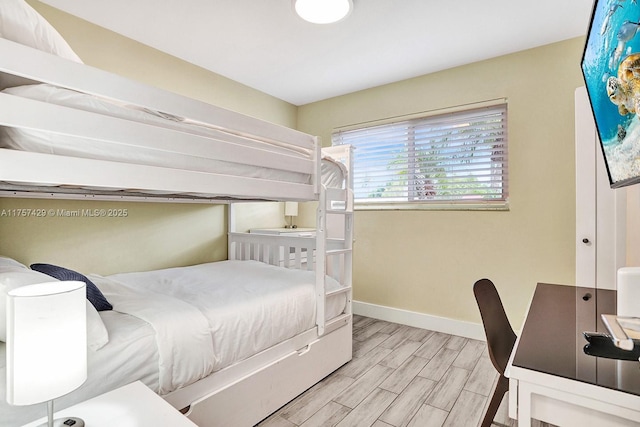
(323, 11)
(290, 210)
(46, 344)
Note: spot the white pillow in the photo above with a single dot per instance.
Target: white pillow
(20, 23)
(97, 335)
(13, 275)
(9, 263)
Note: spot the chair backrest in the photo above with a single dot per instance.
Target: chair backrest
(500, 335)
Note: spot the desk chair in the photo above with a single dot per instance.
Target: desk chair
(500, 339)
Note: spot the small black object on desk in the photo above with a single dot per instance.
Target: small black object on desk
(601, 345)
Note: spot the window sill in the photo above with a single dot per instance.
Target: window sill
(462, 206)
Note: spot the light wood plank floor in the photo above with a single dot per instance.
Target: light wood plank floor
(400, 376)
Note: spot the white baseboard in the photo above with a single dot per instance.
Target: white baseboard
(420, 320)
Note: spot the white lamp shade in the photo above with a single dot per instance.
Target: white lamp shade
(323, 11)
(290, 208)
(46, 341)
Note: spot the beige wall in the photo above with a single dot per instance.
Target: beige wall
(152, 235)
(427, 261)
(148, 236)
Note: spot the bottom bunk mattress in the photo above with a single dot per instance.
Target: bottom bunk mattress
(170, 328)
(228, 310)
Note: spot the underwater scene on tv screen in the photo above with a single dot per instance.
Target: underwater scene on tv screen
(611, 68)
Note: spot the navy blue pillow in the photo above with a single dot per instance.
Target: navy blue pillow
(93, 293)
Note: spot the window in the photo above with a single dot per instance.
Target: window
(456, 159)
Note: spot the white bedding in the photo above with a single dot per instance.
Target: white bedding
(161, 153)
(182, 337)
(243, 307)
(172, 327)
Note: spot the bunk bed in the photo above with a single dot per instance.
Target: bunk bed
(68, 130)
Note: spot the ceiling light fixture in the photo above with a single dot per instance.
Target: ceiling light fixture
(323, 11)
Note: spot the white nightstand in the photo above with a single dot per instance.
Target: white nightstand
(134, 405)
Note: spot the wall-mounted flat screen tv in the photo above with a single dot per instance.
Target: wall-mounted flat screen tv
(611, 69)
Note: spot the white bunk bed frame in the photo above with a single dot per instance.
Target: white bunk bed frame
(250, 390)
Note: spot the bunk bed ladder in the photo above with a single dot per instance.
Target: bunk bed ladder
(336, 243)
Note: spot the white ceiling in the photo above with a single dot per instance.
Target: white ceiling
(262, 44)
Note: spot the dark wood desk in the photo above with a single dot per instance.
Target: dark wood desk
(553, 380)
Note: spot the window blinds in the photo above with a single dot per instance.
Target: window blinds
(452, 157)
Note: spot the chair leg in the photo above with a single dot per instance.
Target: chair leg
(502, 386)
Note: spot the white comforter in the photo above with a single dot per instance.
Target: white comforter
(209, 316)
(181, 332)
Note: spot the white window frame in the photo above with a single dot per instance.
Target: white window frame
(407, 196)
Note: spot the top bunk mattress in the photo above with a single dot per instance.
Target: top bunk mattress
(175, 142)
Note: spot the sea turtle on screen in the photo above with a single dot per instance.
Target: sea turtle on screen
(624, 90)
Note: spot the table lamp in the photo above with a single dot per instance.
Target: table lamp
(290, 210)
(46, 344)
